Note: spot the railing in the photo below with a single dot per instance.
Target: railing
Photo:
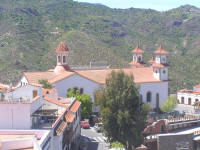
(186, 118)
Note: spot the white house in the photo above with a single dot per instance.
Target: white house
(153, 80)
(25, 139)
(31, 107)
(189, 97)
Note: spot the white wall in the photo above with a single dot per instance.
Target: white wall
(79, 82)
(164, 76)
(23, 81)
(161, 88)
(156, 73)
(25, 92)
(163, 59)
(15, 116)
(187, 96)
(157, 59)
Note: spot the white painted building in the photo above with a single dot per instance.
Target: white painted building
(189, 97)
(31, 107)
(152, 80)
(25, 139)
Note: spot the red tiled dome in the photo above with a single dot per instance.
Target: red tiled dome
(62, 47)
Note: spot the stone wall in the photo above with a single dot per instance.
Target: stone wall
(175, 142)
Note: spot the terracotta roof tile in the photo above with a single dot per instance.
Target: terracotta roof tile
(70, 117)
(137, 50)
(61, 128)
(62, 47)
(75, 106)
(34, 77)
(141, 75)
(54, 101)
(161, 50)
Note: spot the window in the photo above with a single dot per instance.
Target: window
(139, 59)
(148, 97)
(157, 100)
(189, 101)
(59, 59)
(164, 71)
(196, 100)
(81, 90)
(182, 100)
(64, 59)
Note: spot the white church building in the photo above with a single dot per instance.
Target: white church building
(152, 80)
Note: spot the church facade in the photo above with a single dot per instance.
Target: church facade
(152, 80)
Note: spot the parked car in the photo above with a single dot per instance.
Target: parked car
(98, 127)
(85, 125)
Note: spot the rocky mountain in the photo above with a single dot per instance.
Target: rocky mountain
(30, 30)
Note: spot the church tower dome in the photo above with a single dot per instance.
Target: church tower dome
(62, 53)
(137, 58)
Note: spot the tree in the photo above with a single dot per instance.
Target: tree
(45, 84)
(123, 115)
(86, 102)
(170, 104)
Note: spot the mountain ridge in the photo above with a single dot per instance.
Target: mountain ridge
(31, 30)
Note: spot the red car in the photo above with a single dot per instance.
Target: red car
(85, 125)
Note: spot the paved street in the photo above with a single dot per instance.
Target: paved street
(95, 141)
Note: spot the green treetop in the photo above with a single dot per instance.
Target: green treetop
(86, 102)
(123, 115)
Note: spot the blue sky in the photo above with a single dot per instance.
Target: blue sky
(160, 5)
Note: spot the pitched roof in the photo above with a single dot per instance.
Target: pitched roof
(61, 128)
(62, 47)
(34, 77)
(141, 75)
(51, 100)
(161, 50)
(70, 117)
(75, 106)
(137, 50)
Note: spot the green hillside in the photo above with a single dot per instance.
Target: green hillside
(30, 30)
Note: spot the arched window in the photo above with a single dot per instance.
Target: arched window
(59, 59)
(64, 59)
(182, 100)
(148, 97)
(196, 100)
(139, 59)
(189, 101)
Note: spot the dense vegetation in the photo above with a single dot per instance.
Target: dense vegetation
(31, 29)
